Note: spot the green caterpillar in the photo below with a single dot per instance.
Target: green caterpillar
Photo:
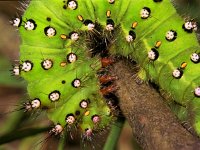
(60, 70)
(64, 44)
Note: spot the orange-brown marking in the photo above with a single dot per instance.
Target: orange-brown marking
(87, 113)
(63, 64)
(63, 36)
(106, 61)
(109, 89)
(80, 18)
(134, 25)
(108, 13)
(158, 43)
(107, 78)
(183, 65)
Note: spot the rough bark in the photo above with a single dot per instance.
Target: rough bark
(152, 122)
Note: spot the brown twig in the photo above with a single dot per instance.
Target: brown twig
(153, 123)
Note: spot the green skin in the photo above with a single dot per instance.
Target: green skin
(163, 18)
(171, 54)
(36, 47)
